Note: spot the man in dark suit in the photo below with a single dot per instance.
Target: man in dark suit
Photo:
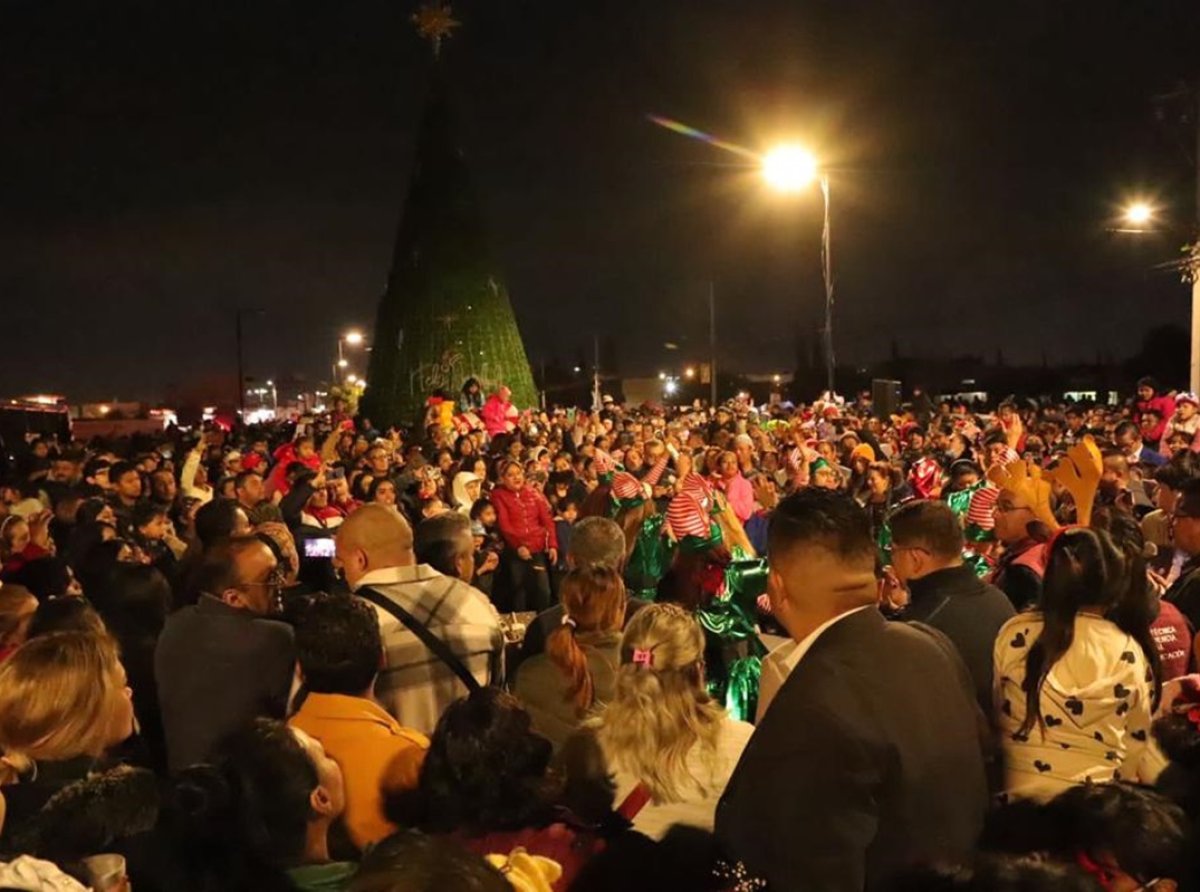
(222, 661)
(870, 757)
(927, 547)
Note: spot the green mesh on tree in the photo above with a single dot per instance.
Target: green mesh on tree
(445, 316)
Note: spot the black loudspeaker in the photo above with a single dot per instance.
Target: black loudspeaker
(885, 397)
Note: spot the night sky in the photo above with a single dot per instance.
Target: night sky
(165, 163)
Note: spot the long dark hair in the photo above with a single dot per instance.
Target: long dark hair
(1136, 607)
(486, 769)
(240, 822)
(1079, 574)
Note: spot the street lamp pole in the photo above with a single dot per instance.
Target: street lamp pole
(712, 343)
(239, 314)
(792, 169)
(827, 275)
(1194, 365)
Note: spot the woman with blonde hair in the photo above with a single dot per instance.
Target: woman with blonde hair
(64, 704)
(663, 748)
(578, 671)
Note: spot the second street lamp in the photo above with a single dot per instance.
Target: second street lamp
(353, 338)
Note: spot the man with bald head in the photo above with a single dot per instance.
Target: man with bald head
(375, 551)
(869, 758)
(225, 659)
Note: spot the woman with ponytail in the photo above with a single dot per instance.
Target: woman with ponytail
(1074, 690)
(578, 672)
(665, 748)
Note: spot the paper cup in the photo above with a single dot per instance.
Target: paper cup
(106, 873)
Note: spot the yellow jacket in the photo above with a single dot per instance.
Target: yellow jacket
(378, 756)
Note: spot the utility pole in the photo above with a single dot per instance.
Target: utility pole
(712, 343)
(1194, 268)
(239, 314)
(241, 374)
(597, 397)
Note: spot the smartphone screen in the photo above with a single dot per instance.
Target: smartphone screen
(319, 548)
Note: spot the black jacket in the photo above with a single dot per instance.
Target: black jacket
(216, 668)
(969, 612)
(1022, 585)
(869, 759)
(70, 810)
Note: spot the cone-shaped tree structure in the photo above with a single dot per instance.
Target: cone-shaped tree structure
(445, 316)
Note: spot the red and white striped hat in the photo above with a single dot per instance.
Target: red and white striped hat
(686, 517)
(698, 488)
(626, 486)
(603, 462)
(980, 511)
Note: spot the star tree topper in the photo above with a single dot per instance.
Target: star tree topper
(435, 21)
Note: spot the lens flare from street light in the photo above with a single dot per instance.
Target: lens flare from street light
(670, 387)
(1139, 213)
(689, 372)
(342, 363)
(353, 338)
(350, 379)
(789, 168)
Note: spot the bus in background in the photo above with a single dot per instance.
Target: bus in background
(26, 418)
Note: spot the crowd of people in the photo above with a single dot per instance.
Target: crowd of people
(744, 648)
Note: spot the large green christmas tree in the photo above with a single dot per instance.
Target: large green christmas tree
(445, 316)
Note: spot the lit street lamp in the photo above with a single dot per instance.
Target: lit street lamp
(1138, 217)
(1139, 213)
(353, 338)
(791, 169)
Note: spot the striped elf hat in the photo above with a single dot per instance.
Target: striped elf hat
(699, 489)
(983, 503)
(686, 517)
(627, 490)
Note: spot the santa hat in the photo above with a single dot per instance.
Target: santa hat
(686, 517)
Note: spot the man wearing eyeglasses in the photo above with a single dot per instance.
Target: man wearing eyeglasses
(1184, 593)
(225, 659)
